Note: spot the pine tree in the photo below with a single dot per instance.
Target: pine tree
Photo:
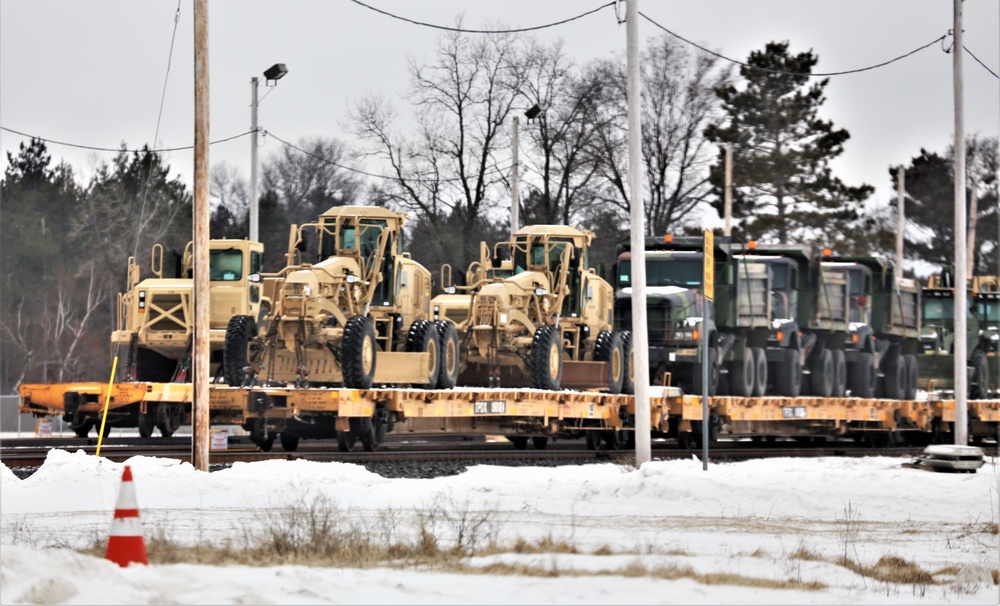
(783, 187)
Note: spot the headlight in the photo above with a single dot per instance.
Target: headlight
(540, 292)
(450, 290)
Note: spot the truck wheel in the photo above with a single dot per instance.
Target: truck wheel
(759, 371)
(978, 387)
(235, 354)
(358, 353)
(911, 377)
(894, 382)
(289, 441)
(839, 373)
(423, 338)
(788, 378)
(545, 361)
(822, 374)
(713, 374)
(628, 376)
(861, 375)
(450, 352)
(609, 349)
(741, 375)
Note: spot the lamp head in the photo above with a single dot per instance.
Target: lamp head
(275, 72)
(533, 112)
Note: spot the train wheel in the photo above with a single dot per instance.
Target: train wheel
(235, 354)
(862, 376)
(911, 377)
(83, 428)
(289, 441)
(423, 338)
(449, 347)
(346, 440)
(608, 348)
(612, 439)
(822, 374)
(741, 375)
(788, 375)
(539, 442)
(257, 435)
(519, 442)
(839, 373)
(545, 360)
(759, 371)
(358, 353)
(147, 422)
(593, 438)
(365, 430)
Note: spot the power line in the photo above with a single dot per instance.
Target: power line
(482, 31)
(377, 176)
(113, 150)
(777, 71)
(993, 73)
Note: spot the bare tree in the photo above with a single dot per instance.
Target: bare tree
(446, 172)
(230, 197)
(678, 101)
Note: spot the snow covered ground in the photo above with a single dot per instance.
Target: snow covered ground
(762, 523)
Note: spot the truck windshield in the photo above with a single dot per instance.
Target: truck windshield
(939, 309)
(225, 265)
(664, 272)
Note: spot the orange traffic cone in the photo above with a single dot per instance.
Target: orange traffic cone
(126, 544)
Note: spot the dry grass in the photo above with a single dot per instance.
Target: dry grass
(891, 569)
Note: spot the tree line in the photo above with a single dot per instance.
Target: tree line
(66, 243)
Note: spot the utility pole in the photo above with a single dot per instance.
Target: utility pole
(640, 338)
(900, 196)
(199, 404)
(727, 195)
(253, 160)
(961, 302)
(515, 185)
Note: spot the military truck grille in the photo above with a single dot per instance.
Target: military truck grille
(485, 313)
(657, 324)
(166, 312)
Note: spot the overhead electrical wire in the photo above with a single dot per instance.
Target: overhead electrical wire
(117, 150)
(777, 71)
(993, 73)
(482, 31)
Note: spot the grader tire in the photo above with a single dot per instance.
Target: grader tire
(423, 338)
(628, 377)
(358, 353)
(235, 354)
(450, 352)
(546, 359)
(608, 348)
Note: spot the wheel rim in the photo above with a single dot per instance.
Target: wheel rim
(450, 357)
(368, 355)
(432, 360)
(554, 360)
(616, 365)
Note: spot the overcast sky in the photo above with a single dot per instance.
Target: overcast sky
(92, 73)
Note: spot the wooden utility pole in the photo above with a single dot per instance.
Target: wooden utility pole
(515, 185)
(640, 339)
(900, 216)
(200, 426)
(961, 299)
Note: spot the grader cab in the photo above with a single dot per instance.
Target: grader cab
(358, 317)
(543, 319)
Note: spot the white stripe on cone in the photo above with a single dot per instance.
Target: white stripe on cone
(126, 544)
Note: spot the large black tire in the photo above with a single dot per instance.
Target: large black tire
(358, 353)
(861, 375)
(979, 386)
(235, 354)
(788, 374)
(608, 348)
(423, 338)
(545, 360)
(289, 441)
(840, 373)
(911, 377)
(451, 355)
(759, 371)
(896, 376)
(741, 375)
(822, 374)
(713, 374)
(628, 377)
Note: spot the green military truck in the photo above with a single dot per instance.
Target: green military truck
(936, 359)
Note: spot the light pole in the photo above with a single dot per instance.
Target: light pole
(273, 74)
(515, 184)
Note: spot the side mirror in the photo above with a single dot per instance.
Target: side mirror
(254, 277)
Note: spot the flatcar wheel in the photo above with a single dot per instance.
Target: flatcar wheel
(612, 440)
(593, 439)
(257, 432)
(519, 442)
(83, 429)
(539, 442)
(365, 430)
(289, 441)
(346, 440)
(147, 422)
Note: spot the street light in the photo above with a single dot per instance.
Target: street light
(272, 74)
(515, 202)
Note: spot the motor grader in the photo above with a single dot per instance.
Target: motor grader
(358, 317)
(542, 318)
(155, 317)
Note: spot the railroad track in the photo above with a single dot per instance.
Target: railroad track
(31, 452)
